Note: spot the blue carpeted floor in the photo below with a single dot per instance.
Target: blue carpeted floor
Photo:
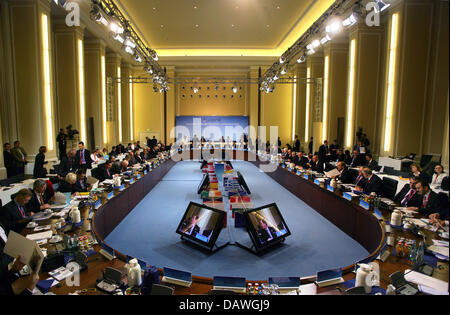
(148, 232)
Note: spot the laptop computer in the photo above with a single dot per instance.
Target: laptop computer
(177, 277)
(285, 283)
(235, 284)
(329, 277)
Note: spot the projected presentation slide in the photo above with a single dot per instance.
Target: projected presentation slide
(201, 223)
(266, 225)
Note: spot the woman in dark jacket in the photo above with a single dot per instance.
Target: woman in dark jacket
(39, 162)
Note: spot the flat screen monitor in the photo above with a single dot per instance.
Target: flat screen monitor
(201, 224)
(203, 184)
(242, 182)
(266, 226)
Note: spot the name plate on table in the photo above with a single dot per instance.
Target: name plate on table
(347, 196)
(299, 173)
(305, 176)
(283, 166)
(131, 180)
(145, 172)
(330, 188)
(289, 169)
(138, 176)
(316, 181)
(111, 194)
(98, 204)
(122, 187)
(377, 213)
(364, 204)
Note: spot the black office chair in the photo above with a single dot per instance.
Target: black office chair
(388, 170)
(444, 184)
(96, 173)
(378, 168)
(221, 292)
(389, 188)
(354, 173)
(356, 291)
(425, 159)
(443, 201)
(329, 167)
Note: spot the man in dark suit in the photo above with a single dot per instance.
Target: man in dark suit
(62, 143)
(345, 177)
(83, 157)
(39, 170)
(19, 156)
(39, 200)
(115, 167)
(357, 159)
(265, 233)
(301, 160)
(81, 185)
(14, 215)
(408, 196)
(360, 179)
(429, 202)
(324, 152)
(310, 146)
(296, 144)
(316, 165)
(373, 182)
(9, 161)
(340, 156)
(334, 147)
(371, 163)
(68, 164)
(105, 171)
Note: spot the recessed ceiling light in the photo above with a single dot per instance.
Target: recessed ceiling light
(278, 7)
(196, 25)
(267, 25)
(154, 8)
(195, 7)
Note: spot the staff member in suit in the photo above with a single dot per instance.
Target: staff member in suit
(9, 160)
(345, 177)
(408, 196)
(39, 170)
(310, 146)
(19, 155)
(68, 184)
(68, 164)
(371, 163)
(83, 157)
(438, 175)
(265, 233)
(373, 182)
(62, 143)
(39, 200)
(296, 144)
(324, 152)
(14, 215)
(429, 202)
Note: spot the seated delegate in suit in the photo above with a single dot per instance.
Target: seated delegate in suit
(345, 177)
(429, 202)
(373, 182)
(340, 156)
(115, 167)
(371, 163)
(81, 184)
(39, 200)
(14, 215)
(83, 157)
(68, 184)
(357, 159)
(438, 175)
(408, 196)
(438, 218)
(265, 233)
(39, 170)
(301, 160)
(316, 165)
(190, 226)
(105, 171)
(360, 179)
(124, 166)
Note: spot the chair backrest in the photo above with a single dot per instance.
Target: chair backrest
(425, 159)
(96, 173)
(443, 201)
(388, 170)
(158, 289)
(221, 292)
(389, 188)
(354, 173)
(329, 167)
(444, 184)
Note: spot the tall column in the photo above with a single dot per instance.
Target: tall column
(313, 122)
(94, 53)
(335, 91)
(407, 75)
(31, 47)
(69, 79)
(253, 95)
(113, 125)
(125, 86)
(445, 144)
(170, 105)
(363, 83)
(300, 72)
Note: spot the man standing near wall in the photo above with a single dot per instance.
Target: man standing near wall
(19, 155)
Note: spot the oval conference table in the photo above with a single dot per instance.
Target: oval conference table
(349, 216)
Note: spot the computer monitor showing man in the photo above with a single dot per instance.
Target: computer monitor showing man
(201, 224)
(266, 226)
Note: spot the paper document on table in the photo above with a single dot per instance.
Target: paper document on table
(29, 252)
(40, 236)
(441, 250)
(427, 281)
(440, 243)
(417, 222)
(334, 172)
(431, 291)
